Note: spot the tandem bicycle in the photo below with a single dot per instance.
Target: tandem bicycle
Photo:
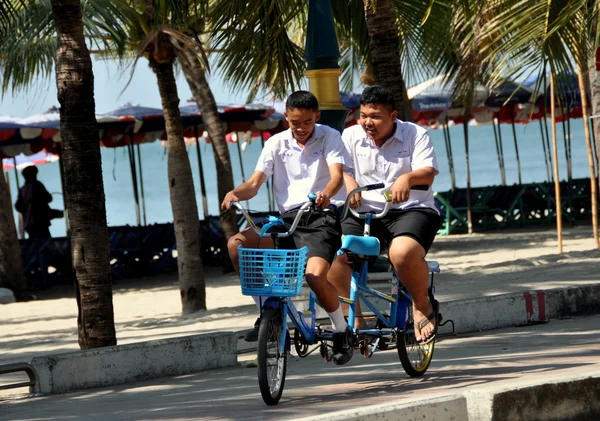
(277, 276)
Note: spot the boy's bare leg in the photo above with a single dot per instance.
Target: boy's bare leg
(246, 238)
(408, 258)
(340, 276)
(250, 239)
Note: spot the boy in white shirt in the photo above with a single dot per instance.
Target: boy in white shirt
(399, 155)
(306, 158)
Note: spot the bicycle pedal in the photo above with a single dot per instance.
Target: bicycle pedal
(325, 352)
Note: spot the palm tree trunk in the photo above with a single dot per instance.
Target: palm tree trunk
(196, 78)
(11, 267)
(588, 142)
(183, 197)
(385, 52)
(83, 177)
(594, 75)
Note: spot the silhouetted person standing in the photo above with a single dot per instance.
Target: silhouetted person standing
(33, 204)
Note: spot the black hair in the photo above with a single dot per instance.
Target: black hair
(29, 173)
(303, 100)
(378, 95)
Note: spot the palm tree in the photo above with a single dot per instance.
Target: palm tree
(195, 75)
(31, 25)
(520, 38)
(11, 268)
(159, 32)
(83, 178)
(385, 52)
(117, 27)
(261, 43)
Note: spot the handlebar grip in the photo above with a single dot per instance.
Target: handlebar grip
(423, 187)
(374, 186)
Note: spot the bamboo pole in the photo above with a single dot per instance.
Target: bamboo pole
(500, 160)
(512, 121)
(269, 200)
(134, 183)
(450, 155)
(590, 153)
(466, 134)
(139, 156)
(61, 169)
(201, 172)
(501, 152)
(556, 176)
(548, 175)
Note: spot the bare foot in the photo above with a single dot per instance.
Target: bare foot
(425, 325)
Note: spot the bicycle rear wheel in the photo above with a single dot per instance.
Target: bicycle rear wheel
(414, 356)
(272, 363)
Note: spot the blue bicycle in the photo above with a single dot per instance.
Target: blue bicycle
(277, 275)
(397, 325)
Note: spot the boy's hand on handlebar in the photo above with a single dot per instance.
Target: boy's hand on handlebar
(322, 200)
(356, 199)
(229, 197)
(400, 190)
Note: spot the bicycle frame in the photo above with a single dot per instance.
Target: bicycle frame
(298, 319)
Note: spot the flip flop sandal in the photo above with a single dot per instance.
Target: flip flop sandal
(432, 316)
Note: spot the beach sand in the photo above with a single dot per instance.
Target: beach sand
(150, 308)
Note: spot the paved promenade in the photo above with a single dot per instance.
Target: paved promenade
(493, 360)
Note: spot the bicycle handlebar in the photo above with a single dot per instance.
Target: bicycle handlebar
(264, 231)
(387, 195)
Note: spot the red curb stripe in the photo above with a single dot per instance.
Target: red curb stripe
(528, 305)
(541, 305)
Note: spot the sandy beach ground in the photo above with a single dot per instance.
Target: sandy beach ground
(150, 308)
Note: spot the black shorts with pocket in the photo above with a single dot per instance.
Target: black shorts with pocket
(319, 230)
(421, 224)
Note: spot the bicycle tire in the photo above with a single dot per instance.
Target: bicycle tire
(272, 364)
(407, 345)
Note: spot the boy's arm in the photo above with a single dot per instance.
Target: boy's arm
(351, 184)
(334, 185)
(246, 190)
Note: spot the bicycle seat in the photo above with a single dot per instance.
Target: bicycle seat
(360, 244)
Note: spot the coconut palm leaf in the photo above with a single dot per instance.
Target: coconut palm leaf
(28, 39)
(259, 43)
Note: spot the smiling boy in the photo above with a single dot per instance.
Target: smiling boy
(399, 155)
(306, 158)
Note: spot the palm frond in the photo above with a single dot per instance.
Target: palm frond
(256, 43)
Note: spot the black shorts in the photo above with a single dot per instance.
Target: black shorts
(420, 224)
(318, 230)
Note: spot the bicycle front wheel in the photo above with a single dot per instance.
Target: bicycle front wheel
(414, 356)
(272, 362)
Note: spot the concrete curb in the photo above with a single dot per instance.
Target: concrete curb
(448, 408)
(520, 308)
(549, 399)
(566, 399)
(67, 372)
(514, 309)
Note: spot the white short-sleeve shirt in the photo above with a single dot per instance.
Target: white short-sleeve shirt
(298, 171)
(408, 149)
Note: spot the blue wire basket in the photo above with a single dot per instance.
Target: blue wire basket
(272, 272)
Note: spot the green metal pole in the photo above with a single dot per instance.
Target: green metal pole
(322, 68)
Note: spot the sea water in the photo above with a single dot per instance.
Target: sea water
(120, 203)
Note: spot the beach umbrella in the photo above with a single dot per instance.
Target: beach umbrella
(140, 124)
(21, 161)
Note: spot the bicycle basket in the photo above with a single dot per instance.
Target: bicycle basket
(272, 272)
